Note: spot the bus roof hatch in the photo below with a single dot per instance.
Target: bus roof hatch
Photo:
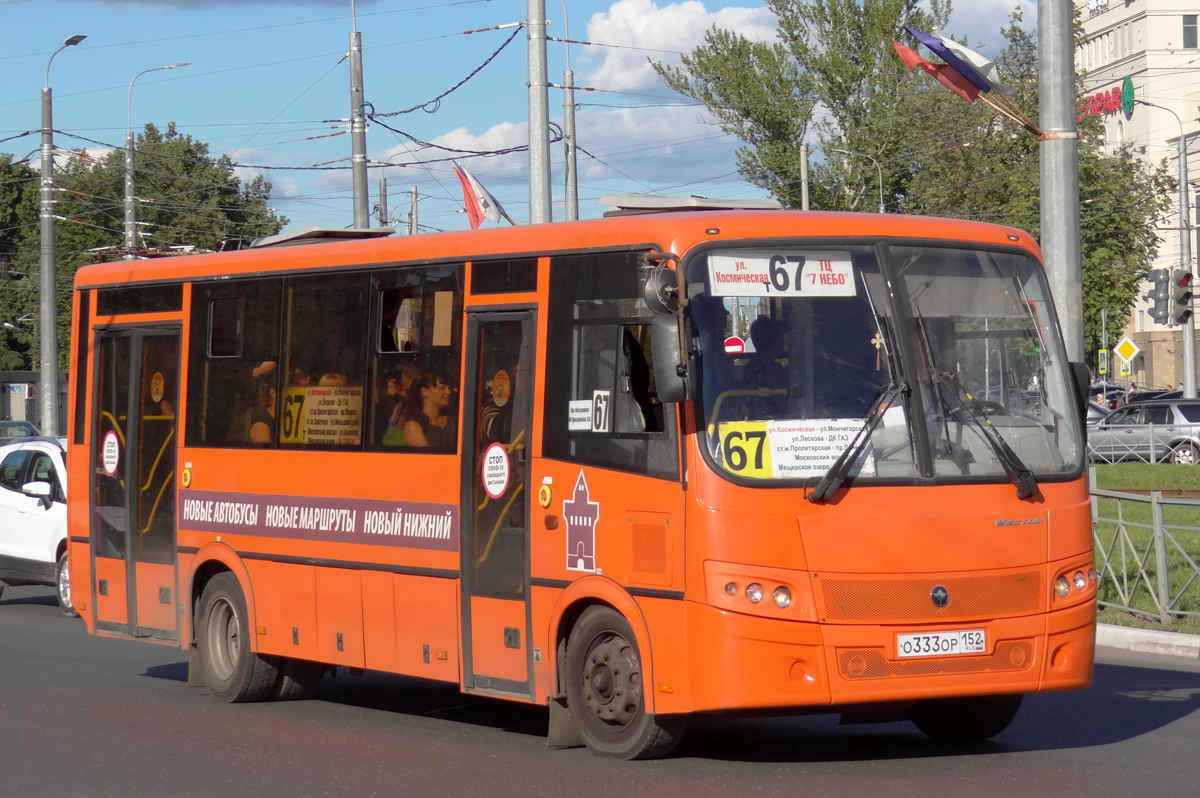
(315, 234)
(625, 204)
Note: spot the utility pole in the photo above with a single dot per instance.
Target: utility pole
(412, 214)
(572, 175)
(48, 342)
(130, 179)
(803, 177)
(1059, 150)
(358, 129)
(1188, 324)
(1104, 346)
(539, 118)
(571, 167)
(383, 206)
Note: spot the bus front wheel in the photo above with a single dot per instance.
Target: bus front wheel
(965, 719)
(605, 690)
(232, 671)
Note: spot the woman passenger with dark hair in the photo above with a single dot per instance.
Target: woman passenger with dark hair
(425, 405)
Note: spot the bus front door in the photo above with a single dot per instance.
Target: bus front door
(134, 581)
(497, 423)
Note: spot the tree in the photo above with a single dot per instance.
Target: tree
(18, 216)
(939, 155)
(186, 200)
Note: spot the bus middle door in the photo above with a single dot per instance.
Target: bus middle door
(497, 423)
(134, 580)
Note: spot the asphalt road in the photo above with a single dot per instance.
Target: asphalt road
(92, 716)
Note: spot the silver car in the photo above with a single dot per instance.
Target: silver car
(1154, 431)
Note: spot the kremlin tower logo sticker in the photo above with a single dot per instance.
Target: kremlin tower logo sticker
(581, 515)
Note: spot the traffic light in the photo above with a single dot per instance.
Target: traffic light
(1181, 296)
(1160, 294)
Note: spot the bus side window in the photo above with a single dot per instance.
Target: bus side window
(233, 357)
(417, 329)
(598, 366)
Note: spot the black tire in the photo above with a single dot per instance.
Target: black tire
(1185, 454)
(232, 672)
(297, 680)
(605, 690)
(62, 586)
(967, 719)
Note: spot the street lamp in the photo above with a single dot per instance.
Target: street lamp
(130, 198)
(877, 166)
(48, 343)
(1185, 255)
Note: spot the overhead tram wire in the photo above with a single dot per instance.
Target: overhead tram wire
(143, 42)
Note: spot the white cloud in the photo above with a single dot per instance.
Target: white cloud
(676, 28)
(981, 21)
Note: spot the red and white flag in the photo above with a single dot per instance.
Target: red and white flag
(945, 74)
(479, 202)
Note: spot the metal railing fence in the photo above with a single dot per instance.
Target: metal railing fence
(1147, 443)
(1146, 550)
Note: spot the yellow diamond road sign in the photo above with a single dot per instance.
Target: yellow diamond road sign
(1127, 350)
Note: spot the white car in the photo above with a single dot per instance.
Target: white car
(33, 517)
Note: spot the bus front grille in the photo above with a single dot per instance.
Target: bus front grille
(871, 663)
(868, 599)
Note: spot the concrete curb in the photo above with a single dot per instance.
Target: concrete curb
(1148, 641)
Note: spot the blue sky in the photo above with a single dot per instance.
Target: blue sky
(268, 83)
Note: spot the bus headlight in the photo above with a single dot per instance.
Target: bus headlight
(754, 592)
(1062, 587)
(782, 597)
(731, 588)
(1080, 580)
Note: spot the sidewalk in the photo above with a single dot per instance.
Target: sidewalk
(1148, 641)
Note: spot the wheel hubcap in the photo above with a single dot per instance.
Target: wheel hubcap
(64, 584)
(612, 679)
(224, 636)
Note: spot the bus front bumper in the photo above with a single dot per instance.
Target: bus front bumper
(744, 662)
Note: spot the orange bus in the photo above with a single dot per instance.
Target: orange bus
(635, 469)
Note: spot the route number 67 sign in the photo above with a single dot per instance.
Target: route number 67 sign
(759, 272)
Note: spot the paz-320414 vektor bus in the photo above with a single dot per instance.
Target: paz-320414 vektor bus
(635, 468)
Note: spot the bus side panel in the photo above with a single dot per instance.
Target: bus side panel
(115, 606)
(286, 606)
(379, 621)
(489, 654)
(1070, 524)
(152, 611)
(544, 600)
(427, 616)
(669, 677)
(339, 617)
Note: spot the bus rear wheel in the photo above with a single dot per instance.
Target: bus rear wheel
(232, 671)
(966, 719)
(605, 690)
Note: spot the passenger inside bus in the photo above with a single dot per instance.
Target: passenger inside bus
(426, 422)
(260, 418)
(765, 370)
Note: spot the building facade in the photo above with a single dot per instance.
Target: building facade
(1143, 79)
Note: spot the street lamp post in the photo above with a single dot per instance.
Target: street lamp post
(48, 343)
(1185, 256)
(877, 166)
(130, 196)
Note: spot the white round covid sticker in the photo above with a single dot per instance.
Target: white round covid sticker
(495, 470)
(111, 453)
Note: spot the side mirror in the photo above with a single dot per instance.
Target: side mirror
(1083, 379)
(670, 372)
(38, 490)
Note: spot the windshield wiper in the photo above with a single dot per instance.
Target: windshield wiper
(1017, 471)
(840, 469)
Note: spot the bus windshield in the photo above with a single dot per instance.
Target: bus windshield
(948, 357)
